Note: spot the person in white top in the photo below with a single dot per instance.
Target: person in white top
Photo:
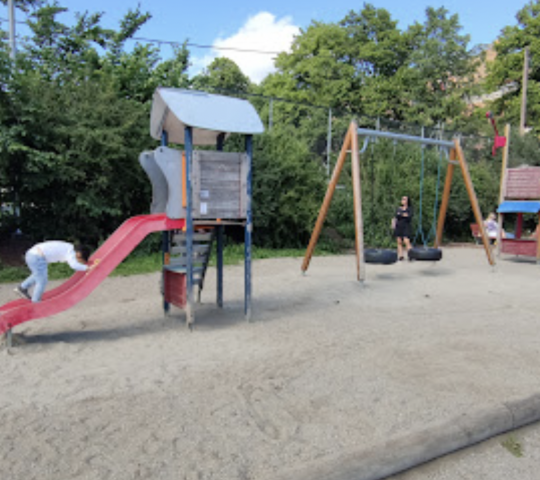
(38, 259)
(492, 227)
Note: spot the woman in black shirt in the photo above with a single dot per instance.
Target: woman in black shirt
(402, 226)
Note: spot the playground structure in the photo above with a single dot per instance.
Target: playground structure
(519, 193)
(195, 194)
(350, 145)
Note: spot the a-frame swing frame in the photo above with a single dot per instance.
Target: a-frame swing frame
(456, 157)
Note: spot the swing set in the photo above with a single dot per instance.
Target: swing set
(453, 153)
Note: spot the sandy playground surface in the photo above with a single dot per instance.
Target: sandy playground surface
(112, 389)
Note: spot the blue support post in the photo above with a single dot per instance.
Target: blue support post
(165, 242)
(220, 142)
(219, 241)
(248, 232)
(189, 227)
(219, 254)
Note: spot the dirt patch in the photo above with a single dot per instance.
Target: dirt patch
(113, 389)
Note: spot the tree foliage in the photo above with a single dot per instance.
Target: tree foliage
(507, 68)
(287, 187)
(74, 110)
(439, 70)
(74, 121)
(222, 75)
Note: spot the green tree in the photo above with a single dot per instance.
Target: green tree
(507, 68)
(317, 70)
(353, 66)
(222, 75)
(439, 71)
(75, 120)
(288, 187)
(378, 50)
(73, 157)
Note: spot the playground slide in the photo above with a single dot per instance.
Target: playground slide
(81, 284)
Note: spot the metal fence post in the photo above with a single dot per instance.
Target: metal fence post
(329, 142)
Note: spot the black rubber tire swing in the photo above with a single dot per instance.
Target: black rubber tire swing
(426, 254)
(380, 256)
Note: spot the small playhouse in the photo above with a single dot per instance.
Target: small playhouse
(208, 188)
(521, 195)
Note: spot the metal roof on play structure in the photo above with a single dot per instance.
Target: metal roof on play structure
(209, 115)
(519, 206)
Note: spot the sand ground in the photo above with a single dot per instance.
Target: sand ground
(112, 389)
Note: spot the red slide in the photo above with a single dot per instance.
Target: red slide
(81, 284)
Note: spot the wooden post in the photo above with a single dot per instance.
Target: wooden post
(504, 166)
(524, 83)
(357, 194)
(445, 198)
(327, 199)
(473, 199)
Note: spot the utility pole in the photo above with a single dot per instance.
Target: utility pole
(12, 54)
(524, 83)
(12, 45)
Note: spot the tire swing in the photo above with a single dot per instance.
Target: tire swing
(425, 253)
(380, 256)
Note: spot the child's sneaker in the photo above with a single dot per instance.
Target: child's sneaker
(22, 292)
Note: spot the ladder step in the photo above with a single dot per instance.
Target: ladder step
(181, 237)
(181, 262)
(203, 248)
(182, 269)
(201, 257)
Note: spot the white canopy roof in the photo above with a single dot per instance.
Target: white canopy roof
(173, 109)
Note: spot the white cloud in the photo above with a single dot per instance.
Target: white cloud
(263, 32)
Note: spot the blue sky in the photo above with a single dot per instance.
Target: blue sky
(271, 25)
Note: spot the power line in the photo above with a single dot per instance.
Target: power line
(197, 45)
(188, 44)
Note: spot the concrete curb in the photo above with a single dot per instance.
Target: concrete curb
(415, 448)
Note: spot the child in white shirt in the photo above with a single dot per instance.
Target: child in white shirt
(38, 259)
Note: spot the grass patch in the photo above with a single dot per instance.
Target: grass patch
(138, 264)
(57, 271)
(234, 254)
(148, 263)
(12, 274)
(513, 446)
